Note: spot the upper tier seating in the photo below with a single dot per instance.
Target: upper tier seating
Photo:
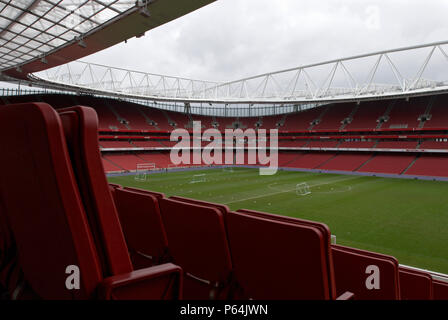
(439, 113)
(405, 114)
(65, 229)
(268, 122)
(301, 121)
(333, 117)
(367, 115)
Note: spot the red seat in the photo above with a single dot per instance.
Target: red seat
(323, 229)
(415, 285)
(42, 205)
(440, 289)
(143, 228)
(45, 213)
(158, 195)
(276, 259)
(198, 243)
(221, 207)
(81, 131)
(353, 269)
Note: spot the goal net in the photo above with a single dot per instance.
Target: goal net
(143, 169)
(302, 189)
(199, 178)
(227, 169)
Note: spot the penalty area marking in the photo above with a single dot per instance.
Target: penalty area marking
(289, 190)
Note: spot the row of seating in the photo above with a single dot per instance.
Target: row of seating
(255, 255)
(404, 114)
(63, 237)
(432, 165)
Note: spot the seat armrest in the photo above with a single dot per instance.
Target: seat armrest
(161, 282)
(346, 296)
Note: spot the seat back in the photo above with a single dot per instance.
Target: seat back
(440, 289)
(221, 207)
(198, 243)
(41, 205)
(275, 259)
(415, 284)
(158, 195)
(81, 131)
(323, 229)
(369, 275)
(143, 228)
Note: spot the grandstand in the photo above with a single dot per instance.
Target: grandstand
(131, 240)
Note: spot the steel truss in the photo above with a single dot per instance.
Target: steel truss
(409, 71)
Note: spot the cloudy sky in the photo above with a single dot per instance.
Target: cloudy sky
(232, 39)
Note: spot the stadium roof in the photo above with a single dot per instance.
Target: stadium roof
(402, 72)
(38, 34)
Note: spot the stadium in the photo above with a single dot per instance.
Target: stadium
(93, 206)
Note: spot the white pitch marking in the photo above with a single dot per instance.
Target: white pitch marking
(279, 192)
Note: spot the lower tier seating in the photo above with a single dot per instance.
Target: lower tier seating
(430, 165)
(347, 161)
(388, 163)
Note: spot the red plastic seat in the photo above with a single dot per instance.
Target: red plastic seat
(81, 131)
(415, 284)
(440, 289)
(197, 242)
(143, 228)
(42, 206)
(276, 259)
(323, 229)
(351, 272)
(48, 217)
(158, 195)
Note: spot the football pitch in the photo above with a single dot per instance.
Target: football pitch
(407, 219)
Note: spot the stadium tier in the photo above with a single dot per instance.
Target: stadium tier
(415, 129)
(196, 250)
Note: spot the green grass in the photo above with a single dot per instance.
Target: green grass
(407, 219)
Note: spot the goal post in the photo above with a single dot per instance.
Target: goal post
(142, 171)
(227, 169)
(197, 178)
(303, 189)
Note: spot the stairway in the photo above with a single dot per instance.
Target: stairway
(113, 163)
(411, 164)
(386, 113)
(350, 116)
(170, 122)
(427, 111)
(148, 121)
(319, 118)
(119, 118)
(368, 160)
(326, 161)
